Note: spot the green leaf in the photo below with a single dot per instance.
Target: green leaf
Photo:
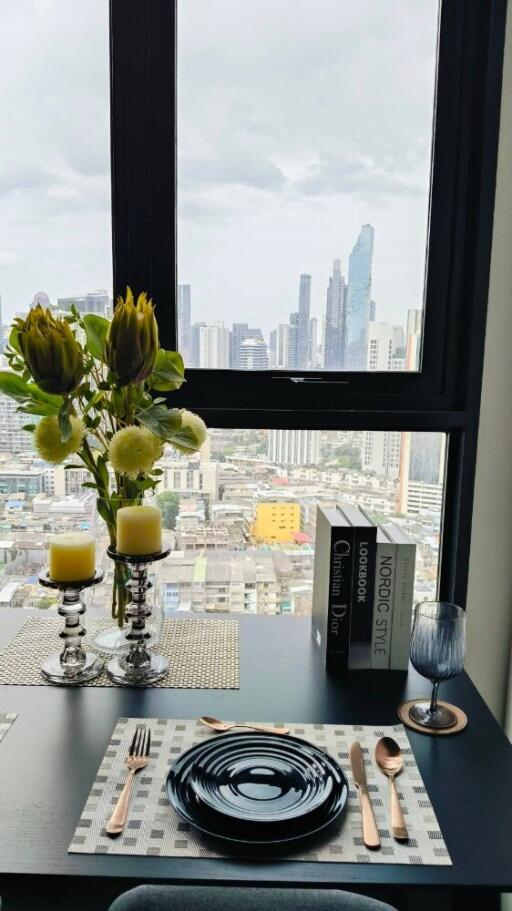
(96, 328)
(30, 406)
(102, 471)
(65, 422)
(184, 439)
(29, 427)
(162, 421)
(13, 386)
(168, 372)
(69, 467)
(13, 339)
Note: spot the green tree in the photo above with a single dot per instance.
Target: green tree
(169, 503)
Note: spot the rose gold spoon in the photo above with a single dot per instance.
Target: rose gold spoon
(388, 757)
(217, 725)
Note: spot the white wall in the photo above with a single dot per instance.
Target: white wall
(489, 604)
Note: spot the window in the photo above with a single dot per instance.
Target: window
(56, 224)
(55, 240)
(303, 182)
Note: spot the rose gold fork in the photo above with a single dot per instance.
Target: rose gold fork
(138, 758)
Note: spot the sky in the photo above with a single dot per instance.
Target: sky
(55, 223)
(298, 122)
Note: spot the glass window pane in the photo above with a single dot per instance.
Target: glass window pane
(241, 515)
(55, 243)
(304, 139)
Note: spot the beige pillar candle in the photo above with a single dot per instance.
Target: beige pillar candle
(72, 557)
(139, 530)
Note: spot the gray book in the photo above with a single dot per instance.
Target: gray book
(383, 602)
(403, 597)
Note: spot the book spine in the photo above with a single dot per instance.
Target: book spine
(362, 584)
(340, 591)
(383, 605)
(402, 606)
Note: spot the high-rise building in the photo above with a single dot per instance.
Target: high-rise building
(422, 468)
(359, 299)
(314, 361)
(293, 336)
(303, 322)
(12, 438)
(413, 340)
(237, 335)
(253, 354)
(93, 302)
(373, 311)
(213, 346)
(272, 349)
(381, 452)
(194, 344)
(184, 314)
(386, 347)
(283, 345)
(335, 320)
(294, 447)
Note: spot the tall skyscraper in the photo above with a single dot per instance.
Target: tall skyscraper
(253, 354)
(303, 322)
(213, 346)
(184, 315)
(283, 345)
(335, 320)
(359, 299)
(313, 352)
(272, 349)
(413, 339)
(294, 447)
(293, 336)
(239, 333)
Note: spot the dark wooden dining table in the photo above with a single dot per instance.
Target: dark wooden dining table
(50, 756)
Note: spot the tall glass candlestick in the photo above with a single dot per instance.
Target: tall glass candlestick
(138, 667)
(73, 666)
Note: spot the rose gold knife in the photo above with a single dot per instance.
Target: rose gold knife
(370, 831)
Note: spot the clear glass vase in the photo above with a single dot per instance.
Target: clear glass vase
(108, 597)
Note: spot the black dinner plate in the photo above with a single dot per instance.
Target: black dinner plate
(257, 789)
(262, 778)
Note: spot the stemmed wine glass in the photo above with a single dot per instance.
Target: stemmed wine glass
(437, 652)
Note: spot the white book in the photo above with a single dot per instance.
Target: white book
(383, 602)
(404, 595)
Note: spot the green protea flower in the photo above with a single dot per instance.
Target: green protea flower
(132, 345)
(192, 434)
(48, 439)
(50, 351)
(134, 450)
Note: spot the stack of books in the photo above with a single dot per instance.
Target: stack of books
(363, 590)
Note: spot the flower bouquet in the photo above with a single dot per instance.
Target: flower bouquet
(93, 386)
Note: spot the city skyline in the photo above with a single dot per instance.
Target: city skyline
(347, 335)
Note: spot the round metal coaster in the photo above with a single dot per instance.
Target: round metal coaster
(460, 724)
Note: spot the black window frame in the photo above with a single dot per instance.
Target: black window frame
(444, 395)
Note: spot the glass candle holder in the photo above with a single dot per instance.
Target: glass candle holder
(139, 666)
(73, 666)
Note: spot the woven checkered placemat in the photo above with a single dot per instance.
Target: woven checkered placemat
(155, 829)
(6, 720)
(202, 653)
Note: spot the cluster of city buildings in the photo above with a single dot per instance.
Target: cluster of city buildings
(347, 337)
(240, 515)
